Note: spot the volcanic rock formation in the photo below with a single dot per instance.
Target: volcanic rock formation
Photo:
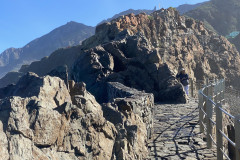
(46, 116)
(145, 52)
(41, 119)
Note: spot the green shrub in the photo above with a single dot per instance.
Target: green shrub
(172, 8)
(150, 17)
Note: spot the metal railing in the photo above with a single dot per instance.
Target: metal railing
(211, 99)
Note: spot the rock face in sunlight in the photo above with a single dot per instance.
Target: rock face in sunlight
(145, 52)
(45, 120)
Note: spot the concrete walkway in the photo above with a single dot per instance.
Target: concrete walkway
(176, 134)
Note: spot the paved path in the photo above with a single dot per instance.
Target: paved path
(176, 134)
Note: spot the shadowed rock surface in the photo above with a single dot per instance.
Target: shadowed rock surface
(129, 99)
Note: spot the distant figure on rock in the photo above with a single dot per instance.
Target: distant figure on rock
(183, 78)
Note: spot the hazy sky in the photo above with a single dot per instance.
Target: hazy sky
(21, 21)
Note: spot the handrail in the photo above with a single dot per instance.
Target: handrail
(225, 154)
(226, 113)
(229, 140)
(211, 96)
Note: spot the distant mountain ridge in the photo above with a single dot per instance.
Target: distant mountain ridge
(181, 9)
(70, 34)
(188, 7)
(128, 12)
(236, 41)
(222, 15)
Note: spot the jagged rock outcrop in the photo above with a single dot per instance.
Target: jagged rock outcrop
(41, 119)
(61, 72)
(145, 52)
(148, 50)
(129, 99)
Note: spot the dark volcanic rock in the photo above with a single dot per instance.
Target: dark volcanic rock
(128, 99)
(61, 72)
(172, 40)
(130, 62)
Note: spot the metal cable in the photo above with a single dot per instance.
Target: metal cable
(229, 140)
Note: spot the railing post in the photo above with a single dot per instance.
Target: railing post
(216, 90)
(205, 102)
(219, 135)
(191, 84)
(200, 105)
(209, 111)
(210, 91)
(209, 123)
(207, 83)
(237, 137)
(223, 92)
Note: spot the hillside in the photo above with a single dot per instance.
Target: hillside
(236, 41)
(188, 7)
(67, 35)
(222, 15)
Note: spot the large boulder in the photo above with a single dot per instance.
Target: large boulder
(147, 50)
(136, 67)
(41, 119)
(50, 91)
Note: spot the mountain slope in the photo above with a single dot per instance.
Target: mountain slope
(188, 7)
(222, 15)
(67, 35)
(236, 41)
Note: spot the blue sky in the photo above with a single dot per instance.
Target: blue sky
(21, 21)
